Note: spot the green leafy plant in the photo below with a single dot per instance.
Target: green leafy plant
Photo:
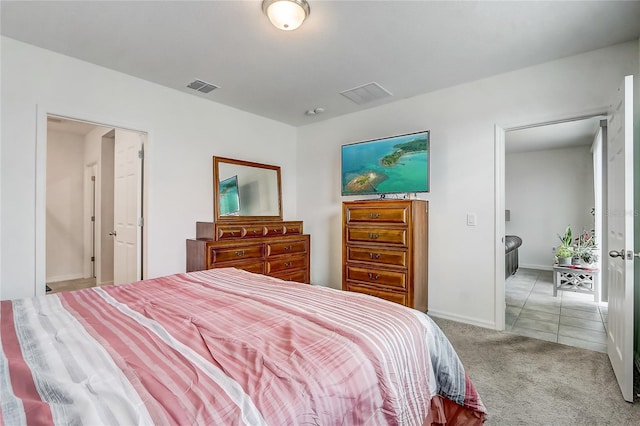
(564, 252)
(585, 247)
(566, 239)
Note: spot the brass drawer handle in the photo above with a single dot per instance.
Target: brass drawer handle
(287, 264)
(255, 232)
(374, 256)
(374, 215)
(287, 248)
(276, 230)
(240, 253)
(374, 277)
(233, 233)
(374, 236)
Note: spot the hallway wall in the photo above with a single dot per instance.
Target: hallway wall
(65, 206)
(546, 191)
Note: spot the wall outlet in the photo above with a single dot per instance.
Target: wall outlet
(553, 250)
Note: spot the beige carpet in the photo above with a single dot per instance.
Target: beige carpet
(525, 381)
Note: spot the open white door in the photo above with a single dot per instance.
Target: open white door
(619, 230)
(127, 207)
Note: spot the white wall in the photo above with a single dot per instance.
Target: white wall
(65, 206)
(546, 191)
(184, 132)
(462, 281)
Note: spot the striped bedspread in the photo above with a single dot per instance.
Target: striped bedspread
(225, 347)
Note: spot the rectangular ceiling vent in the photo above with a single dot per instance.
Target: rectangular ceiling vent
(202, 86)
(366, 93)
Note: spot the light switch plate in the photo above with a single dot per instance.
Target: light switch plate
(471, 219)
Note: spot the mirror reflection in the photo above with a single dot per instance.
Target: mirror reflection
(246, 190)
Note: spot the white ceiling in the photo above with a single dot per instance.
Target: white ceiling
(553, 136)
(408, 47)
(70, 126)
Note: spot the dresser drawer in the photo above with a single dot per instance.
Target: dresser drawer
(286, 247)
(297, 276)
(234, 232)
(255, 266)
(235, 253)
(254, 231)
(391, 296)
(230, 232)
(274, 230)
(377, 235)
(286, 263)
(377, 256)
(396, 279)
(395, 215)
(293, 228)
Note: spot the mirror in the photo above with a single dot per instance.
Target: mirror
(243, 190)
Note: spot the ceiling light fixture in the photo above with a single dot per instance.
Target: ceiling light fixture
(286, 15)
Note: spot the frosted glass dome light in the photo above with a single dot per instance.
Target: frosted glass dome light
(286, 15)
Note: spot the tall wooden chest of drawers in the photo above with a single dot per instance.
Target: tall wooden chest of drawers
(384, 250)
(278, 248)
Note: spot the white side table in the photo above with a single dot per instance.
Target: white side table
(577, 279)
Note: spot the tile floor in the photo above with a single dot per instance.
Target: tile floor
(572, 319)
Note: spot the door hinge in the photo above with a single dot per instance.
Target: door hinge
(141, 154)
(93, 178)
(140, 221)
(93, 218)
(93, 259)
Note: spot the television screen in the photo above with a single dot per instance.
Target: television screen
(229, 197)
(396, 164)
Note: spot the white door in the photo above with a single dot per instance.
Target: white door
(127, 207)
(619, 264)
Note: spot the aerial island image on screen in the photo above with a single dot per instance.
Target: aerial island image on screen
(394, 165)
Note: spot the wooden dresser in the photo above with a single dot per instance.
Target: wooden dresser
(384, 250)
(275, 248)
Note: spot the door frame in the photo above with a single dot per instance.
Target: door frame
(42, 112)
(90, 190)
(499, 202)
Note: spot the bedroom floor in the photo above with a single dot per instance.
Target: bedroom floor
(572, 319)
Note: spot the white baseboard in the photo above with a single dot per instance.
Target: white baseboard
(463, 319)
(539, 267)
(67, 277)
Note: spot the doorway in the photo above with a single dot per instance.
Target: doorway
(551, 179)
(82, 198)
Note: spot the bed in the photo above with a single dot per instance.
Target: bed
(226, 347)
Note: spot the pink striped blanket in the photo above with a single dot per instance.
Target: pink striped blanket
(226, 347)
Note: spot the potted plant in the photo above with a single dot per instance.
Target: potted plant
(564, 252)
(585, 249)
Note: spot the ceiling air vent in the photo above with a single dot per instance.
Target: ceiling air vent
(366, 93)
(202, 86)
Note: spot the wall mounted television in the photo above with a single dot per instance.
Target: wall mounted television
(390, 165)
(229, 197)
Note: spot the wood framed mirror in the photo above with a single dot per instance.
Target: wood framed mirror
(246, 191)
